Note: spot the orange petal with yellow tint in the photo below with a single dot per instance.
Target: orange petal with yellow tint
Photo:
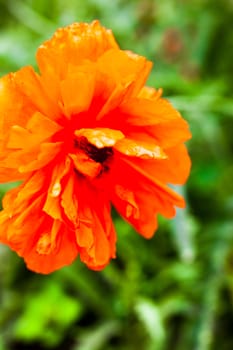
(52, 204)
(69, 200)
(96, 234)
(44, 243)
(121, 75)
(175, 170)
(85, 165)
(77, 92)
(29, 84)
(46, 153)
(9, 175)
(134, 208)
(141, 149)
(168, 134)
(15, 108)
(142, 112)
(163, 191)
(74, 44)
(100, 137)
(51, 254)
(38, 129)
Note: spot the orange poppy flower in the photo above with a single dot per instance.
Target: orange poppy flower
(82, 135)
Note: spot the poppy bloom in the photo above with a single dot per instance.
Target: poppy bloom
(81, 135)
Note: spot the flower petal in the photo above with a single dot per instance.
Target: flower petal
(58, 249)
(85, 165)
(38, 129)
(131, 194)
(29, 84)
(46, 153)
(100, 137)
(52, 204)
(169, 134)
(44, 243)
(69, 201)
(96, 234)
(133, 206)
(158, 187)
(140, 111)
(15, 108)
(141, 149)
(74, 44)
(125, 74)
(174, 170)
(77, 91)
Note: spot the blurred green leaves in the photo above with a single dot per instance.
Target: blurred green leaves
(176, 290)
(48, 315)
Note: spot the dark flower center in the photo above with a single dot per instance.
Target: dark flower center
(99, 155)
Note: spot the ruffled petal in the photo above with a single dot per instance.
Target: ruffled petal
(131, 194)
(30, 85)
(44, 243)
(169, 134)
(134, 208)
(122, 76)
(15, 108)
(27, 160)
(46, 154)
(74, 44)
(52, 205)
(95, 235)
(176, 168)
(69, 200)
(38, 129)
(140, 111)
(142, 149)
(85, 165)
(55, 248)
(77, 90)
(100, 137)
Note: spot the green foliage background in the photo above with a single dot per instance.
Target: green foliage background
(176, 290)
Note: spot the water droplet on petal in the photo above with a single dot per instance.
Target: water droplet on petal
(56, 190)
(44, 245)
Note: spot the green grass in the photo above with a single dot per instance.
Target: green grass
(175, 291)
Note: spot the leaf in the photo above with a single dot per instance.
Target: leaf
(47, 314)
(151, 318)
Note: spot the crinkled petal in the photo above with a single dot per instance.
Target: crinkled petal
(125, 73)
(176, 168)
(134, 208)
(77, 91)
(100, 137)
(46, 153)
(168, 134)
(52, 205)
(85, 165)
(44, 243)
(69, 200)
(157, 187)
(30, 85)
(140, 111)
(50, 255)
(74, 44)
(38, 129)
(144, 150)
(15, 107)
(131, 194)
(96, 234)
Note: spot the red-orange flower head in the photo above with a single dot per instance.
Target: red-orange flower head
(83, 134)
